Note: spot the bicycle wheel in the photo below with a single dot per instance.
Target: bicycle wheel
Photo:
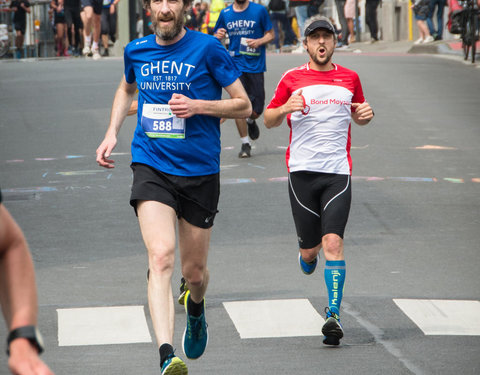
(4, 48)
(466, 40)
(474, 36)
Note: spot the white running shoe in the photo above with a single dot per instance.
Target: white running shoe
(96, 54)
(429, 39)
(299, 49)
(86, 51)
(418, 41)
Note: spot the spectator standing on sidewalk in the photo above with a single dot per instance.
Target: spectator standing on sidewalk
(437, 33)
(249, 29)
(74, 25)
(20, 8)
(92, 27)
(108, 23)
(301, 13)
(343, 42)
(350, 15)
(216, 6)
(371, 18)
(421, 9)
(60, 26)
(278, 16)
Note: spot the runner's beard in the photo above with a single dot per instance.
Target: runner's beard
(324, 61)
(168, 32)
(241, 1)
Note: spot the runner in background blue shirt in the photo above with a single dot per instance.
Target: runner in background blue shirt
(176, 145)
(249, 29)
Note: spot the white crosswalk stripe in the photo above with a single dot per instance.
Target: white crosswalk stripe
(258, 319)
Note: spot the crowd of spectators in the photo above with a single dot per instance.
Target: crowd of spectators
(67, 18)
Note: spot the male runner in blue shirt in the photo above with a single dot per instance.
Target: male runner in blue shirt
(179, 74)
(249, 29)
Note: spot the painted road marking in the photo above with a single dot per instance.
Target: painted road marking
(275, 318)
(443, 317)
(102, 326)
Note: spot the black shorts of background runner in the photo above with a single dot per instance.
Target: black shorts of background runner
(194, 199)
(97, 5)
(109, 24)
(58, 18)
(254, 85)
(320, 205)
(20, 26)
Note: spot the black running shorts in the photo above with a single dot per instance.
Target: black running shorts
(254, 85)
(320, 205)
(97, 5)
(194, 199)
(20, 26)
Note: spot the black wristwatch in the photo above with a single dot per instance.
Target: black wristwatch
(31, 333)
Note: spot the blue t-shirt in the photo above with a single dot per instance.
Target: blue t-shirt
(252, 23)
(197, 66)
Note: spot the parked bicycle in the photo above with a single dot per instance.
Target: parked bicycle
(4, 40)
(470, 28)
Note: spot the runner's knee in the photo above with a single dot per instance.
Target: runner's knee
(333, 246)
(194, 274)
(161, 259)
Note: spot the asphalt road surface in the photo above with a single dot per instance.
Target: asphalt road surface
(412, 293)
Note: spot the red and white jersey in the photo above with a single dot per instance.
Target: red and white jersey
(320, 134)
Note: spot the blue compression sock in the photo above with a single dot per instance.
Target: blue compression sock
(335, 280)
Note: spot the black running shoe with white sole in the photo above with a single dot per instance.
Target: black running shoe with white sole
(245, 151)
(332, 329)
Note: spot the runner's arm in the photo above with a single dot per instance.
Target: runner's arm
(267, 38)
(363, 113)
(274, 117)
(18, 295)
(121, 105)
(238, 106)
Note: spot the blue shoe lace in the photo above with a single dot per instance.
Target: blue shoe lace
(195, 337)
(196, 327)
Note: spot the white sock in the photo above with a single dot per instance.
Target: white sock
(245, 139)
(88, 40)
(95, 45)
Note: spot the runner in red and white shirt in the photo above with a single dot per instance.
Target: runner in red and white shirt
(319, 100)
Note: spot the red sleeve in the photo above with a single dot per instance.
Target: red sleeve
(358, 92)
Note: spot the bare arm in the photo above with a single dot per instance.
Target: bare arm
(18, 295)
(363, 113)
(267, 38)
(220, 34)
(27, 9)
(274, 117)
(121, 105)
(238, 106)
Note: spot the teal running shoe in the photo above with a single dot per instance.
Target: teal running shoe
(307, 268)
(174, 366)
(332, 329)
(195, 337)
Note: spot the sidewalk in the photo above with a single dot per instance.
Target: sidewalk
(451, 47)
